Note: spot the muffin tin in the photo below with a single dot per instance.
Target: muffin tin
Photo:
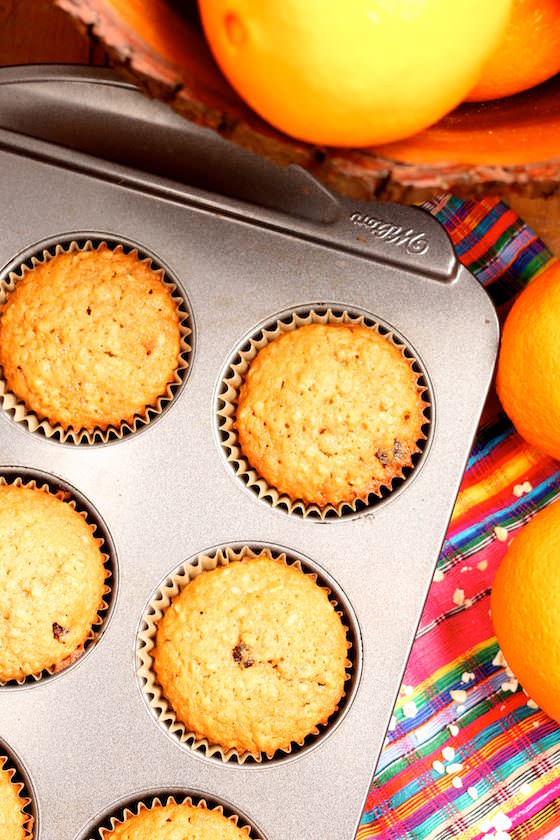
(166, 492)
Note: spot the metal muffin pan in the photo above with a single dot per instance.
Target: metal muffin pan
(166, 493)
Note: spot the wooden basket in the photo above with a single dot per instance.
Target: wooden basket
(507, 145)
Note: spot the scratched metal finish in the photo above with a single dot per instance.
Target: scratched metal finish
(86, 737)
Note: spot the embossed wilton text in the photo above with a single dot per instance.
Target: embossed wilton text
(412, 242)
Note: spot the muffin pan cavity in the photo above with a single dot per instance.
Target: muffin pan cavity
(176, 582)
(132, 806)
(43, 252)
(232, 379)
(48, 483)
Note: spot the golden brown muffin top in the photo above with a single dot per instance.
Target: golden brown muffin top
(177, 822)
(89, 339)
(13, 820)
(52, 580)
(329, 413)
(251, 656)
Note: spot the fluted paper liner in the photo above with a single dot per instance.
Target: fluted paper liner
(163, 598)
(233, 380)
(66, 496)
(23, 793)
(21, 413)
(102, 831)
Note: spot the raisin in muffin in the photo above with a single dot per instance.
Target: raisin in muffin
(52, 582)
(329, 413)
(251, 656)
(90, 339)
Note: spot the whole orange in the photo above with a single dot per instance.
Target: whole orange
(353, 72)
(528, 54)
(528, 380)
(525, 608)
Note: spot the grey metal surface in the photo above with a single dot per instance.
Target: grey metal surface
(50, 103)
(86, 736)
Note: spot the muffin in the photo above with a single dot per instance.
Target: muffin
(251, 656)
(13, 820)
(90, 339)
(329, 413)
(176, 822)
(52, 582)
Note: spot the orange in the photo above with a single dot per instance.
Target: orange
(528, 54)
(528, 379)
(353, 72)
(525, 599)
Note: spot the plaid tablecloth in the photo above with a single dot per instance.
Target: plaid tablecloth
(467, 754)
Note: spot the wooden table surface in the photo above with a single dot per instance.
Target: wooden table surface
(34, 31)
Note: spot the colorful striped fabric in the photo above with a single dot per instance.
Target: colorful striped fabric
(499, 774)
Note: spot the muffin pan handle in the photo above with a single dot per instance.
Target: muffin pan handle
(92, 111)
